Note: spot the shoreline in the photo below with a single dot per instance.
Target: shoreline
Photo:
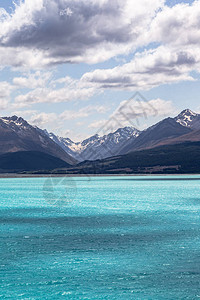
(15, 175)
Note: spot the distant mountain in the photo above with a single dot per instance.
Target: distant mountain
(193, 136)
(129, 139)
(189, 119)
(169, 128)
(171, 145)
(176, 130)
(29, 161)
(182, 158)
(18, 135)
(96, 147)
(66, 144)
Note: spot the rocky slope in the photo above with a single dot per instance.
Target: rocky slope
(16, 134)
(96, 147)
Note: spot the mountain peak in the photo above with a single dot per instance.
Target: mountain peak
(16, 134)
(188, 118)
(96, 146)
(15, 119)
(188, 112)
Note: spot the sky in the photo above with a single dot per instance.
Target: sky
(81, 67)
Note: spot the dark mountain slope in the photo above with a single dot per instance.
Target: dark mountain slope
(18, 135)
(96, 147)
(193, 136)
(181, 158)
(162, 131)
(29, 161)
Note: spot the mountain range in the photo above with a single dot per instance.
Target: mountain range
(27, 148)
(129, 139)
(17, 135)
(183, 158)
(96, 147)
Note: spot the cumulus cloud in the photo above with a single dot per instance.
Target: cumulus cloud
(43, 32)
(148, 69)
(83, 112)
(43, 119)
(134, 112)
(25, 113)
(32, 80)
(5, 95)
(177, 25)
(3, 104)
(176, 32)
(5, 90)
(40, 33)
(51, 92)
(97, 124)
(47, 95)
(136, 108)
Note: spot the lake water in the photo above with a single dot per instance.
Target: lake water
(100, 238)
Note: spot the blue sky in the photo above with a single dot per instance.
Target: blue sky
(69, 66)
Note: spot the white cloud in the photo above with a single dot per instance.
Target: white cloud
(42, 119)
(176, 31)
(133, 109)
(42, 32)
(36, 34)
(134, 113)
(25, 113)
(49, 91)
(32, 80)
(47, 95)
(83, 112)
(46, 120)
(5, 95)
(148, 69)
(5, 90)
(178, 25)
(97, 124)
(3, 104)
(21, 57)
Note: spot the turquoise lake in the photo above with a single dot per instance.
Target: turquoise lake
(100, 238)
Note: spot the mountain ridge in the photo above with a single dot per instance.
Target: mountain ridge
(127, 139)
(167, 159)
(27, 161)
(151, 137)
(16, 135)
(96, 146)
(188, 118)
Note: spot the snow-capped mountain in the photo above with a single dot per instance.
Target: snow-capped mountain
(96, 147)
(65, 143)
(109, 145)
(16, 135)
(156, 134)
(165, 131)
(188, 118)
(128, 138)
